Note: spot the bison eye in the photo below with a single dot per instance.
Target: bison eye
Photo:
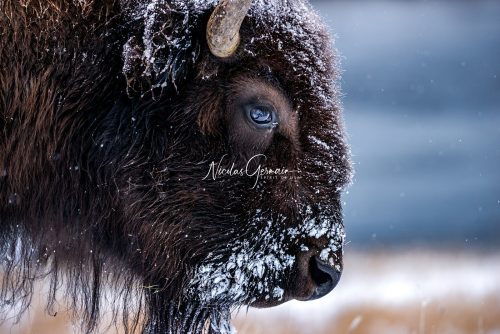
(263, 116)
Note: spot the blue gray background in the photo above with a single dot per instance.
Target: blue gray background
(422, 108)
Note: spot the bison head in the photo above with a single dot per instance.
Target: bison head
(208, 170)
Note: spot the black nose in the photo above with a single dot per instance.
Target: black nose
(324, 276)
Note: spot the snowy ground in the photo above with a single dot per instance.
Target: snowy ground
(396, 292)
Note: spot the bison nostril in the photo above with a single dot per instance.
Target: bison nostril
(324, 277)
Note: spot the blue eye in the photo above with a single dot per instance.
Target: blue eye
(262, 115)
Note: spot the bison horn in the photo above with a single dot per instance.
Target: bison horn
(223, 36)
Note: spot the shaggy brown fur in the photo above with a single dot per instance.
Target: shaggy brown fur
(110, 114)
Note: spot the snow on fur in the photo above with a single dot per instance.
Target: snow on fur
(254, 266)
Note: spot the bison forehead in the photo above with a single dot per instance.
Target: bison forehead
(165, 40)
(294, 29)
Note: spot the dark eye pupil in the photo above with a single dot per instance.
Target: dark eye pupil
(261, 115)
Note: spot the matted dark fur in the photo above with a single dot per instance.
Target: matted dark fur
(110, 115)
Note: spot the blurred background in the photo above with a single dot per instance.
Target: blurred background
(422, 108)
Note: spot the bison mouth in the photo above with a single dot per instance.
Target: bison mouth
(302, 262)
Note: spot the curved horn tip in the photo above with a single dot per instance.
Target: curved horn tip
(222, 46)
(223, 27)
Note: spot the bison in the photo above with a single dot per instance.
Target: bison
(170, 160)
